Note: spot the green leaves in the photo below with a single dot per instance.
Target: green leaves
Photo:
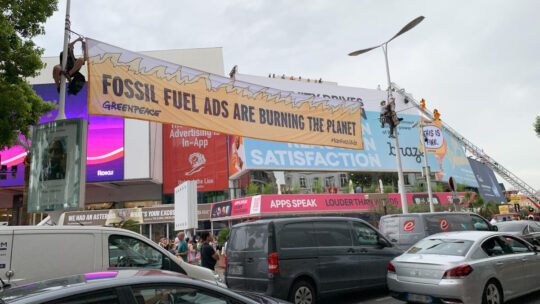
(20, 107)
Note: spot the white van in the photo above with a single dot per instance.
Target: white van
(33, 253)
(404, 230)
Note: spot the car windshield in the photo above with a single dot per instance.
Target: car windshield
(511, 226)
(441, 246)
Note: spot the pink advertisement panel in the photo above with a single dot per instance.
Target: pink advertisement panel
(314, 203)
(343, 202)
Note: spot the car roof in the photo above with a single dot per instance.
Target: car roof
(427, 213)
(523, 222)
(466, 235)
(56, 228)
(76, 284)
(298, 219)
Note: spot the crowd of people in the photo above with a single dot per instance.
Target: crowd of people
(200, 251)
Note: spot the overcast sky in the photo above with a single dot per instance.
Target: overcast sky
(477, 62)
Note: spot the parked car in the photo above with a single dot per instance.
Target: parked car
(528, 230)
(506, 217)
(301, 258)
(403, 230)
(465, 267)
(127, 287)
(35, 253)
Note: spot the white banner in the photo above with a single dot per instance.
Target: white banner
(433, 136)
(185, 206)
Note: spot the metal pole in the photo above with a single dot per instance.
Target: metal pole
(401, 185)
(428, 172)
(62, 97)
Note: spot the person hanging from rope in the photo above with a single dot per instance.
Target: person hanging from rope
(391, 117)
(72, 72)
(382, 116)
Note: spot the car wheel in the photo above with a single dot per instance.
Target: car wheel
(302, 292)
(492, 294)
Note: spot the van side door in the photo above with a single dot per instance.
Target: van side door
(337, 259)
(256, 258)
(43, 254)
(297, 250)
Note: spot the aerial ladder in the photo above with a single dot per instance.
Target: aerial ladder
(479, 154)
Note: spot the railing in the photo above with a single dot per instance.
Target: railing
(479, 154)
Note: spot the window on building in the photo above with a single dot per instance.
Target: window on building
(406, 179)
(343, 180)
(329, 181)
(302, 182)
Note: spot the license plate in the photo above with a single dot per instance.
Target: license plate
(235, 269)
(418, 298)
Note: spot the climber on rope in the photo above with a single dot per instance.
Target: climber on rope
(72, 72)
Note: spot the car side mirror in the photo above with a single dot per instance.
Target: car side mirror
(383, 243)
(494, 228)
(536, 248)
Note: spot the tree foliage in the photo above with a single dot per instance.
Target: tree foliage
(537, 126)
(252, 189)
(20, 107)
(128, 224)
(222, 236)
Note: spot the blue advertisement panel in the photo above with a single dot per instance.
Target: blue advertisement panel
(451, 161)
(379, 154)
(488, 186)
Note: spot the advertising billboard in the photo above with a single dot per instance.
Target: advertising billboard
(192, 154)
(145, 215)
(57, 168)
(237, 156)
(105, 149)
(261, 205)
(131, 85)
(379, 152)
(488, 186)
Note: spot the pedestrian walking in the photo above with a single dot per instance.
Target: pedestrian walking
(209, 256)
(182, 246)
(192, 252)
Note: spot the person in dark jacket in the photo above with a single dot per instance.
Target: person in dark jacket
(209, 256)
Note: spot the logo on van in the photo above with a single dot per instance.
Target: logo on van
(444, 225)
(409, 226)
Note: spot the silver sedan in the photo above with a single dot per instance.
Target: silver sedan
(465, 267)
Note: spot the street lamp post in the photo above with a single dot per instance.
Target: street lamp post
(426, 165)
(62, 98)
(384, 46)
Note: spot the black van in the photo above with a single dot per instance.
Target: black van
(299, 259)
